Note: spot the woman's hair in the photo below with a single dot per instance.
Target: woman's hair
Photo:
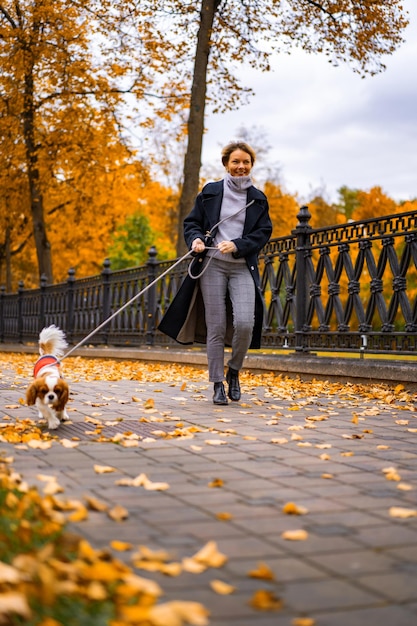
(237, 145)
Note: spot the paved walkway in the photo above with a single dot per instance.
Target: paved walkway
(346, 458)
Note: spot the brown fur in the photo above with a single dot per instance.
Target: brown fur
(39, 389)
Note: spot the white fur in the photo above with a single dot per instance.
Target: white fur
(52, 341)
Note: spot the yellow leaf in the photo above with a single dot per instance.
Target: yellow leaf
(293, 509)
(96, 591)
(263, 572)
(79, 515)
(280, 440)
(295, 535)
(325, 457)
(192, 566)
(9, 574)
(263, 600)
(327, 476)
(118, 513)
(120, 546)
(303, 621)
(404, 513)
(177, 613)
(39, 445)
(94, 504)
(149, 404)
(355, 419)
(392, 476)
(215, 442)
(382, 447)
(103, 469)
(404, 487)
(224, 517)
(216, 482)
(209, 555)
(67, 443)
(14, 603)
(221, 587)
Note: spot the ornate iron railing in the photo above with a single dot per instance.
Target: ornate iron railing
(348, 287)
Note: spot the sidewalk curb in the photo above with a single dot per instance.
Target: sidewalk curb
(354, 370)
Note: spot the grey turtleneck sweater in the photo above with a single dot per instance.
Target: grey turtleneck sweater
(234, 198)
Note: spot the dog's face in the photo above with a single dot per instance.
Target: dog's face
(50, 389)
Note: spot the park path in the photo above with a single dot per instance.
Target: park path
(345, 456)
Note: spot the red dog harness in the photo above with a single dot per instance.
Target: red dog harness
(44, 361)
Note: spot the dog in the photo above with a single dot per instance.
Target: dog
(49, 392)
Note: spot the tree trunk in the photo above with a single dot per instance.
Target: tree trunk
(195, 124)
(43, 247)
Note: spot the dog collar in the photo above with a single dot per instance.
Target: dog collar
(43, 361)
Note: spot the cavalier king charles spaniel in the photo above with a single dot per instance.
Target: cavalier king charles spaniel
(49, 391)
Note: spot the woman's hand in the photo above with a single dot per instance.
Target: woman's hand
(198, 245)
(226, 246)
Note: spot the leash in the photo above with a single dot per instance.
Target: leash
(189, 253)
(93, 332)
(209, 235)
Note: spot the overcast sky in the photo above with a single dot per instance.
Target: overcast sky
(328, 127)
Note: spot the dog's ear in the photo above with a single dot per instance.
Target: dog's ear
(32, 394)
(62, 390)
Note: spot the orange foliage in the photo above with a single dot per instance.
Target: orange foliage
(374, 203)
(283, 209)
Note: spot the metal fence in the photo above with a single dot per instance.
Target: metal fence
(348, 287)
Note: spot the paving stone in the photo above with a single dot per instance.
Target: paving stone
(393, 615)
(328, 594)
(357, 565)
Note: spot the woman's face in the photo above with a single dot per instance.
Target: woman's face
(239, 163)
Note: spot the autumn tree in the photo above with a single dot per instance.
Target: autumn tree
(219, 35)
(72, 76)
(374, 203)
(283, 209)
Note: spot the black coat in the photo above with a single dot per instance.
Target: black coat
(184, 320)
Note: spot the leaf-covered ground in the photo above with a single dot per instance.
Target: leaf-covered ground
(48, 577)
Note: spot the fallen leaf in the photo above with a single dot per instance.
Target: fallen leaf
(67, 443)
(79, 515)
(210, 555)
(94, 504)
(404, 487)
(224, 517)
(39, 445)
(215, 442)
(402, 512)
(176, 613)
(118, 513)
(14, 603)
(216, 482)
(221, 587)
(263, 572)
(120, 546)
(293, 509)
(295, 535)
(264, 600)
(303, 621)
(103, 469)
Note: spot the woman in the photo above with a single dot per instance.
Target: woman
(227, 227)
